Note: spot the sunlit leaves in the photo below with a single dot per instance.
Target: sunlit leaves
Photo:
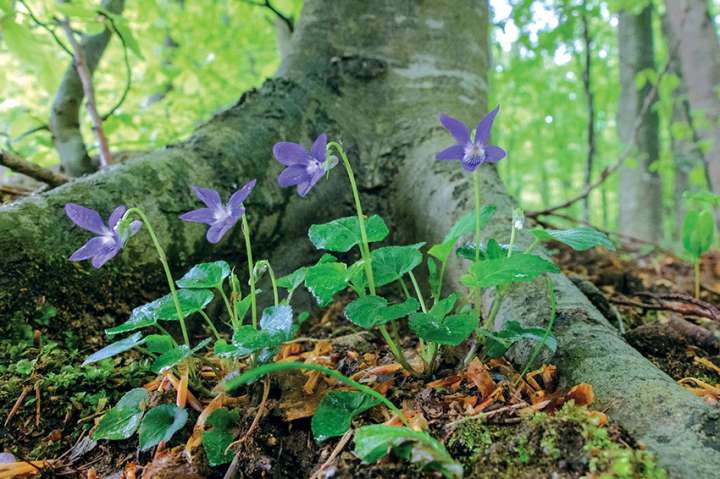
(325, 279)
(581, 238)
(335, 412)
(221, 434)
(497, 343)
(160, 424)
(122, 421)
(205, 275)
(342, 234)
(518, 268)
(114, 349)
(392, 262)
(371, 311)
(372, 443)
(698, 231)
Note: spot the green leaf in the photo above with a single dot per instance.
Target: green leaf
(205, 276)
(370, 311)
(433, 276)
(581, 238)
(344, 233)
(335, 412)
(277, 321)
(497, 343)
(123, 29)
(493, 250)
(176, 355)
(698, 232)
(452, 330)
(216, 440)
(159, 343)
(372, 443)
(292, 281)
(325, 279)
(224, 350)
(392, 262)
(443, 307)
(464, 226)
(519, 268)
(191, 301)
(122, 421)
(115, 348)
(242, 307)
(28, 49)
(160, 424)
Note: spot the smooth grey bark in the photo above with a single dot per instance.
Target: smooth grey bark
(685, 147)
(376, 81)
(640, 200)
(64, 122)
(699, 53)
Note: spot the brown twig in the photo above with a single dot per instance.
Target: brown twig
(232, 469)
(687, 309)
(16, 407)
(333, 455)
(685, 298)
(284, 18)
(32, 170)
(86, 79)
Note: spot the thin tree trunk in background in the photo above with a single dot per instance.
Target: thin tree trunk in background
(698, 50)
(684, 139)
(587, 86)
(640, 194)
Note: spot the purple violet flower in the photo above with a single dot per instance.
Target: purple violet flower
(471, 152)
(218, 216)
(110, 238)
(303, 169)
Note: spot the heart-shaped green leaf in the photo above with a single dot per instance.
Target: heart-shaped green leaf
(464, 226)
(325, 279)
(122, 421)
(292, 281)
(393, 262)
(698, 232)
(372, 443)
(224, 350)
(223, 424)
(580, 239)
(451, 330)
(277, 320)
(115, 348)
(344, 233)
(159, 343)
(205, 275)
(371, 311)
(335, 412)
(519, 268)
(497, 343)
(176, 355)
(160, 424)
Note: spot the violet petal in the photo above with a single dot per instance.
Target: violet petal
(85, 218)
(457, 129)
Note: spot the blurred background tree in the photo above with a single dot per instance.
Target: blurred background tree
(562, 70)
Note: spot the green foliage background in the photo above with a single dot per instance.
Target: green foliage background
(223, 47)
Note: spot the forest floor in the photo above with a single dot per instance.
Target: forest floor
(492, 421)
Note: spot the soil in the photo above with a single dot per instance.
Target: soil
(559, 439)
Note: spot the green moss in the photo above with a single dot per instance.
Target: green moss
(568, 444)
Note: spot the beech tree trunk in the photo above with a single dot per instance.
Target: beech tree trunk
(699, 53)
(640, 188)
(377, 81)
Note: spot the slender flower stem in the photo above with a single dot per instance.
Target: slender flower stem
(364, 247)
(513, 234)
(274, 284)
(696, 270)
(476, 188)
(404, 287)
(260, 371)
(210, 324)
(365, 252)
(499, 297)
(166, 268)
(228, 306)
(416, 286)
(548, 331)
(532, 246)
(251, 270)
